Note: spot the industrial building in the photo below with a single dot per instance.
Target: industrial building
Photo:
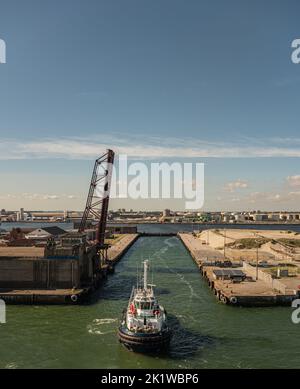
(45, 233)
(71, 263)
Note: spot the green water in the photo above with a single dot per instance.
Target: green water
(207, 334)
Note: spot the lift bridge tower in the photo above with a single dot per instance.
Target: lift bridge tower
(98, 200)
(88, 257)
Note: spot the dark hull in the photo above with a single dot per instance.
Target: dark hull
(144, 343)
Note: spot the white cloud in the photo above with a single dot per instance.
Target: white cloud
(293, 181)
(36, 196)
(142, 147)
(235, 199)
(275, 197)
(294, 194)
(7, 196)
(269, 198)
(235, 185)
(50, 197)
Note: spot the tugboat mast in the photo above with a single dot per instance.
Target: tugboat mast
(145, 275)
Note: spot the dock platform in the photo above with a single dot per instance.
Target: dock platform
(250, 292)
(21, 295)
(116, 252)
(44, 296)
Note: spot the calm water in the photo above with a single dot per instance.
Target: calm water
(207, 334)
(9, 226)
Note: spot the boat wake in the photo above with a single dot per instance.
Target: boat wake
(101, 326)
(170, 243)
(11, 365)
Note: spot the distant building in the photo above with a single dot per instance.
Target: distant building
(274, 217)
(16, 234)
(216, 217)
(166, 213)
(226, 218)
(258, 217)
(20, 215)
(45, 233)
(239, 217)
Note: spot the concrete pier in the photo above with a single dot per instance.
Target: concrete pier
(149, 234)
(43, 296)
(116, 251)
(26, 280)
(263, 291)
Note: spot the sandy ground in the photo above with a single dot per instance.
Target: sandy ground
(267, 252)
(21, 251)
(273, 253)
(203, 252)
(246, 288)
(217, 238)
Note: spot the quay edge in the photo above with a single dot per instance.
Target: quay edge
(66, 296)
(223, 294)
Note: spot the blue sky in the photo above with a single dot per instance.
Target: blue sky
(208, 81)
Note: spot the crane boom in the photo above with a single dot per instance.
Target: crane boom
(98, 196)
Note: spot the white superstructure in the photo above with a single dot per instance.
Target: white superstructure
(144, 314)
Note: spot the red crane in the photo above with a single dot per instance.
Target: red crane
(98, 199)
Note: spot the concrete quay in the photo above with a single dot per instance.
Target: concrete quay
(19, 275)
(251, 292)
(44, 296)
(116, 251)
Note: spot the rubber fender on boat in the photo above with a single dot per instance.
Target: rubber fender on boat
(233, 300)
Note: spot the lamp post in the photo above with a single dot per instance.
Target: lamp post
(224, 244)
(256, 241)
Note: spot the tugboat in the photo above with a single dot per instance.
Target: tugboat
(144, 325)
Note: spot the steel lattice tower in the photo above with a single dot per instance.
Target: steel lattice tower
(98, 199)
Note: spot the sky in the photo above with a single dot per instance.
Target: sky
(164, 80)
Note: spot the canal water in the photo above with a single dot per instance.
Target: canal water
(207, 334)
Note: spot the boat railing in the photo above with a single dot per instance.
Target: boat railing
(131, 296)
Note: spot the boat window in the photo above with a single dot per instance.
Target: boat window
(145, 305)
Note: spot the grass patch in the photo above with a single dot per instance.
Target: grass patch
(247, 243)
(290, 242)
(293, 270)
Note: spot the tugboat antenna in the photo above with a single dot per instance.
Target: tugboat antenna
(152, 274)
